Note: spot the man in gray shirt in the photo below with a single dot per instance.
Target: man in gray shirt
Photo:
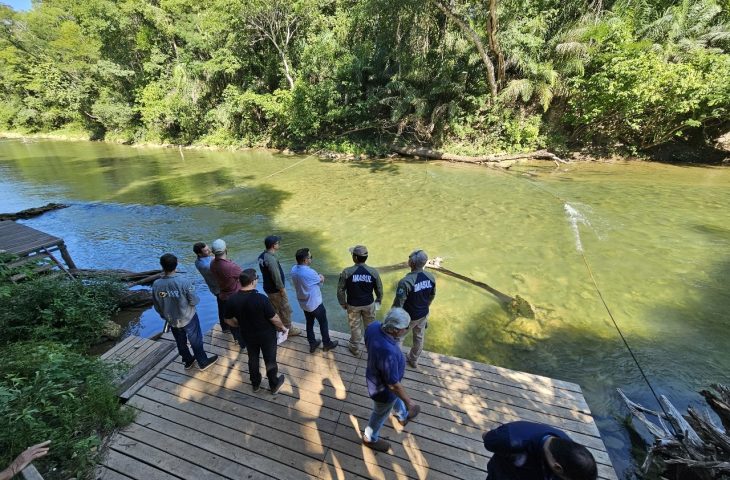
(174, 299)
(274, 283)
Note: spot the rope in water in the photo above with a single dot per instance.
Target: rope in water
(286, 168)
(603, 301)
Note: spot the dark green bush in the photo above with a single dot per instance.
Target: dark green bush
(50, 392)
(58, 309)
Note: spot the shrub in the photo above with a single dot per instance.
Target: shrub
(56, 308)
(50, 392)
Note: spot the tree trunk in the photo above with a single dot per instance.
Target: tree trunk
(495, 49)
(433, 154)
(469, 32)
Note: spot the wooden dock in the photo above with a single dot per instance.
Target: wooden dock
(211, 425)
(33, 247)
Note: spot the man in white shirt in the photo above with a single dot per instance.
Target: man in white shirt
(307, 283)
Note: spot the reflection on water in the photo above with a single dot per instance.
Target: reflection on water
(656, 238)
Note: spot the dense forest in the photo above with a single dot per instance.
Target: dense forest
(460, 75)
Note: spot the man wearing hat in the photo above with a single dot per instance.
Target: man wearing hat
(226, 273)
(385, 370)
(355, 293)
(414, 294)
(274, 282)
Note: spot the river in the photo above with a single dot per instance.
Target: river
(655, 237)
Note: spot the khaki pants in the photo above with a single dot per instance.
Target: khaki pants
(281, 307)
(359, 318)
(418, 327)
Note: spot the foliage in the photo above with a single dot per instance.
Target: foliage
(50, 392)
(56, 309)
(308, 73)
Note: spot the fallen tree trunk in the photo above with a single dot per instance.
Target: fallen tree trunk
(691, 447)
(436, 155)
(516, 306)
(32, 212)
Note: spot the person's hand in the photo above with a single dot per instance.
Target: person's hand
(343, 305)
(283, 292)
(321, 278)
(26, 457)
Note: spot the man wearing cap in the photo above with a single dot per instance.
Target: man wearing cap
(306, 282)
(385, 370)
(414, 294)
(355, 293)
(202, 263)
(258, 323)
(226, 273)
(274, 282)
(534, 451)
(174, 299)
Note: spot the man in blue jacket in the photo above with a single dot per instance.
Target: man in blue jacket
(533, 451)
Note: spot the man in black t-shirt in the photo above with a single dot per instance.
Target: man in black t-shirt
(258, 323)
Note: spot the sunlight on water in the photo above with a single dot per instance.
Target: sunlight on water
(656, 237)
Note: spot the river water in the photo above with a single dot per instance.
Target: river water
(655, 237)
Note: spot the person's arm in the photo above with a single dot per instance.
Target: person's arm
(433, 290)
(157, 303)
(401, 293)
(378, 286)
(313, 278)
(24, 459)
(342, 289)
(190, 294)
(498, 440)
(400, 391)
(278, 324)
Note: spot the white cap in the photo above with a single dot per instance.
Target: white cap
(218, 246)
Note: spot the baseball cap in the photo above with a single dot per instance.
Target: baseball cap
(360, 250)
(271, 240)
(397, 318)
(218, 246)
(419, 258)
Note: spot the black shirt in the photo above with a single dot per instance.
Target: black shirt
(254, 312)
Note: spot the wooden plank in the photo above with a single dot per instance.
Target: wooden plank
(151, 373)
(119, 347)
(133, 466)
(103, 473)
(143, 367)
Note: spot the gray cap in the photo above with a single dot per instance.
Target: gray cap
(218, 246)
(396, 318)
(359, 250)
(418, 258)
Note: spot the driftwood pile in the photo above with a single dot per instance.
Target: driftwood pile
(690, 447)
(131, 298)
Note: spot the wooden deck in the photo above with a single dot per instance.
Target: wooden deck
(31, 244)
(211, 425)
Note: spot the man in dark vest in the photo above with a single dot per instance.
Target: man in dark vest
(533, 451)
(414, 294)
(355, 293)
(274, 282)
(258, 324)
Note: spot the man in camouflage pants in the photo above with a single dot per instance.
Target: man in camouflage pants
(355, 293)
(273, 277)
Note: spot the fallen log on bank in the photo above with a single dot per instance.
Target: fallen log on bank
(690, 447)
(497, 158)
(516, 306)
(132, 279)
(32, 212)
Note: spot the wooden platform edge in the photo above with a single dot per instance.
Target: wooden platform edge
(148, 368)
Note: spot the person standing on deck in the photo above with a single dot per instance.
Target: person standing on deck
(274, 282)
(355, 293)
(307, 283)
(258, 323)
(174, 299)
(414, 294)
(226, 274)
(533, 451)
(384, 373)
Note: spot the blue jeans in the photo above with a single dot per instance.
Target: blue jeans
(319, 314)
(191, 332)
(381, 410)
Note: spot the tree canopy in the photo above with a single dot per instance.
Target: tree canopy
(477, 77)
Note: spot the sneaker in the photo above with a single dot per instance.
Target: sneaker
(189, 365)
(354, 350)
(313, 348)
(211, 360)
(330, 346)
(256, 388)
(412, 363)
(379, 445)
(279, 382)
(294, 332)
(412, 413)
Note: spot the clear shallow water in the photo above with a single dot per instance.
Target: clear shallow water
(656, 237)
